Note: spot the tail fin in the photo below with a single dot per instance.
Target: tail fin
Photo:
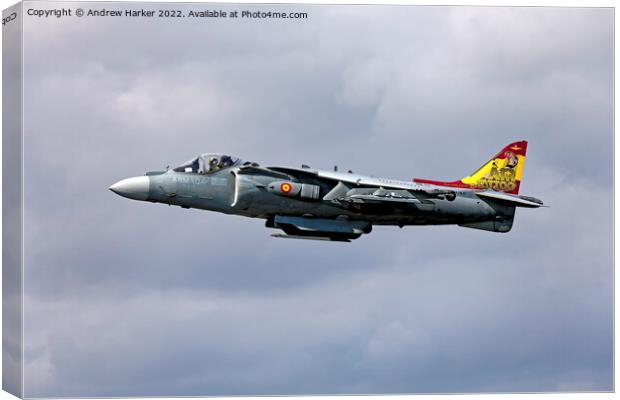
(502, 172)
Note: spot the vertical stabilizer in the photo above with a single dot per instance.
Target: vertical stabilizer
(502, 172)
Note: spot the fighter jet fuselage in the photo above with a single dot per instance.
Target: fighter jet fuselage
(307, 203)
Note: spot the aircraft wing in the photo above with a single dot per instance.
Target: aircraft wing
(351, 178)
(365, 192)
(357, 180)
(510, 199)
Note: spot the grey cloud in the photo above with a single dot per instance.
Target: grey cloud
(397, 329)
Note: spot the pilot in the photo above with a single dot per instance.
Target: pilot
(226, 161)
(213, 164)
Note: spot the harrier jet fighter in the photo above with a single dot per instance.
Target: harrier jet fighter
(307, 203)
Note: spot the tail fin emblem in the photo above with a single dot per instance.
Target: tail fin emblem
(502, 172)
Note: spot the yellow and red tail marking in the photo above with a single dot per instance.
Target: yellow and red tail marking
(502, 172)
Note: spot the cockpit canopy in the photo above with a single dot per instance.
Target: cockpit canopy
(208, 163)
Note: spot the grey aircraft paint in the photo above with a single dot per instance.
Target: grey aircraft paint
(328, 205)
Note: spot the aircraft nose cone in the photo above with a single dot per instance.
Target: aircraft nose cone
(136, 188)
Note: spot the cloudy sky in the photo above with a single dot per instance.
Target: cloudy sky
(128, 298)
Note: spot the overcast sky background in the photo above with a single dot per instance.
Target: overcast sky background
(130, 298)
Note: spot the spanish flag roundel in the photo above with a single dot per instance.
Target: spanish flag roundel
(286, 187)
